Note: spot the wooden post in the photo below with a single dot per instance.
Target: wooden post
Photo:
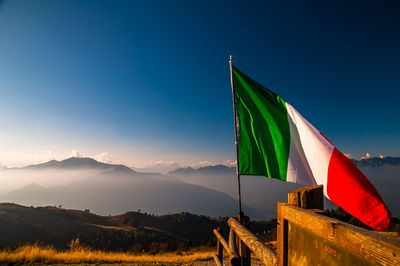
(307, 197)
(232, 241)
(220, 250)
(281, 238)
(243, 250)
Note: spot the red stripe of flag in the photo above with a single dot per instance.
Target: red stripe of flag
(351, 190)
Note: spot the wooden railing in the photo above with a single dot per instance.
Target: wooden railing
(241, 242)
(306, 237)
(230, 249)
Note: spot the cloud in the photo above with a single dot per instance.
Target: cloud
(44, 156)
(202, 164)
(104, 157)
(381, 156)
(75, 153)
(348, 155)
(228, 163)
(367, 156)
(161, 162)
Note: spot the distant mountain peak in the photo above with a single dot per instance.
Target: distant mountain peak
(218, 166)
(211, 169)
(159, 167)
(79, 163)
(183, 170)
(33, 186)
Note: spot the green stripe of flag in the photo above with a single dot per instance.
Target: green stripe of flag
(264, 134)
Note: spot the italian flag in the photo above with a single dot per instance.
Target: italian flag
(275, 141)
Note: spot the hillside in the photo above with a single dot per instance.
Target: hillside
(131, 231)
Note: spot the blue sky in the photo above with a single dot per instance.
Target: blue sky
(145, 81)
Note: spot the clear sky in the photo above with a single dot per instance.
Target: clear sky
(143, 81)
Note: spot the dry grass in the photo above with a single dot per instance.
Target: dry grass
(47, 254)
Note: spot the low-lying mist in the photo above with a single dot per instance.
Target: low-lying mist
(12, 179)
(85, 184)
(106, 189)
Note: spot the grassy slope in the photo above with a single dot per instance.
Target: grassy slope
(41, 254)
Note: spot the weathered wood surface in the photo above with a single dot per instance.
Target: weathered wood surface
(260, 250)
(371, 245)
(395, 235)
(308, 248)
(233, 257)
(307, 197)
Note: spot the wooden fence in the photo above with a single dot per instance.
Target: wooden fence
(306, 237)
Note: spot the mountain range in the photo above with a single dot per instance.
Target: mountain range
(158, 167)
(109, 189)
(83, 183)
(263, 193)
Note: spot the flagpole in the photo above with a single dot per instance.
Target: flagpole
(236, 138)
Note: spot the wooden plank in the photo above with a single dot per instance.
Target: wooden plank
(371, 245)
(395, 235)
(379, 248)
(309, 220)
(308, 248)
(217, 261)
(260, 250)
(307, 197)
